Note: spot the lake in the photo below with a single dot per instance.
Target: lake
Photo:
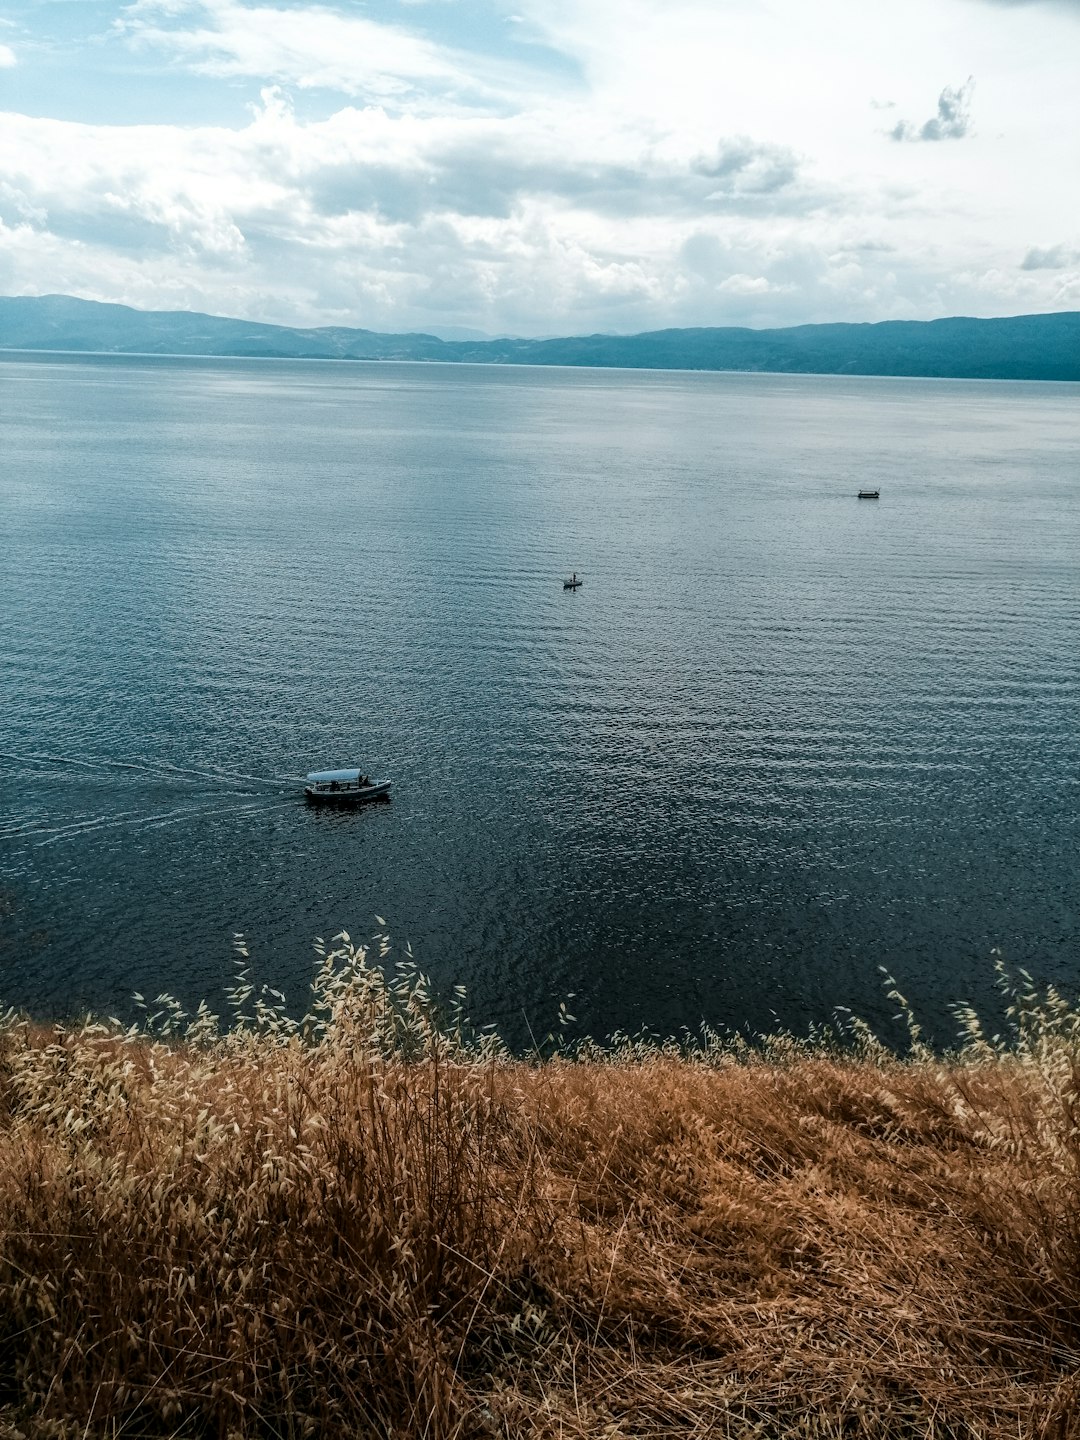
(779, 739)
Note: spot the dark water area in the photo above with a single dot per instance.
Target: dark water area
(779, 739)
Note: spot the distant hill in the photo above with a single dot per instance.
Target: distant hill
(1022, 347)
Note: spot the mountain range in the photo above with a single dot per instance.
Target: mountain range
(1020, 347)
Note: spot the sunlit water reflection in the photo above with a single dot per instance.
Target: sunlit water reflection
(780, 737)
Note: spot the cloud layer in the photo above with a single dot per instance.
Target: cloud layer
(307, 46)
(952, 121)
(575, 165)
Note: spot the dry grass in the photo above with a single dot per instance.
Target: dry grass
(365, 1225)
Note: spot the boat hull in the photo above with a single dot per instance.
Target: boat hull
(359, 796)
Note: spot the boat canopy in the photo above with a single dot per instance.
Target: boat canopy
(330, 777)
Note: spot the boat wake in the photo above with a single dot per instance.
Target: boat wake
(132, 821)
(159, 769)
(233, 793)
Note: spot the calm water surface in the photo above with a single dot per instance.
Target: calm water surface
(780, 738)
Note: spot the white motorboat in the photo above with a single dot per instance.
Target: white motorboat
(344, 787)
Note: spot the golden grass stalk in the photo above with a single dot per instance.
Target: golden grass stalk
(366, 1224)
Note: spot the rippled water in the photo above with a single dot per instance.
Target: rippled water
(780, 737)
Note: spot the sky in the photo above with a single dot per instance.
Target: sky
(543, 167)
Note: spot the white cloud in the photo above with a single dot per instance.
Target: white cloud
(310, 46)
(951, 122)
(397, 222)
(1057, 257)
(7, 57)
(710, 164)
(750, 285)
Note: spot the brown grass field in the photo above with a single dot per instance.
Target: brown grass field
(365, 1224)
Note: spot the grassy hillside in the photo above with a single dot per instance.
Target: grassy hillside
(366, 1225)
(1019, 347)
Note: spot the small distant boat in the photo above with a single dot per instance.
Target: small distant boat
(343, 787)
(869, 494)
(573, 583)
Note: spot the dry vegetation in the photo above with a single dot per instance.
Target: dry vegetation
(366, 1225)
